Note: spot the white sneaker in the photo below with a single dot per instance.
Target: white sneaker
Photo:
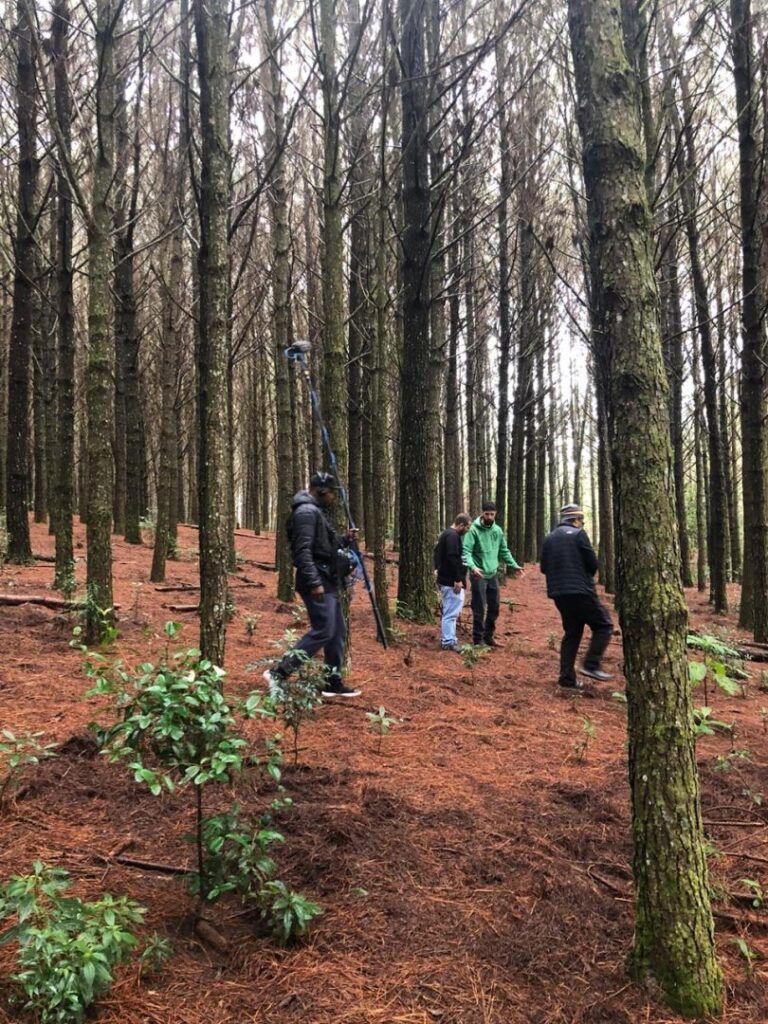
(272, 682)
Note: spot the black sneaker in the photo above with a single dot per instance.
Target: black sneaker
(340, 690)
(570, 684)
(596, 673)
(454, 648)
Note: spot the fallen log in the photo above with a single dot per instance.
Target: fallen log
(182, 607)
(46, 602)
(142, 865)
(173, 587)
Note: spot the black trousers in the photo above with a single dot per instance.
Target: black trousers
(578, 611)
(328, 632)
(485, 608)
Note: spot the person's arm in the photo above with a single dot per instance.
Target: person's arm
(304, 526)
(467, 547)
(505, 553)
(453, 548)
(587, 553)
(438, 552)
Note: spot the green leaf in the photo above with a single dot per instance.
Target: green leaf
(697, 670)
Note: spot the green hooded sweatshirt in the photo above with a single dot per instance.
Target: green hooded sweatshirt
(485, 546)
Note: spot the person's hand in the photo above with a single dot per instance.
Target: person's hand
(477, 573)
(458, 586)
(519, 572)
(318, 593)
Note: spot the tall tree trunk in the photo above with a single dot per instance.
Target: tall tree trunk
(171, 336)
(334, 390)
(24, 303)
(99, 373)
(211, 29)
(417, 475)
(277, 198)
(452, 477)
(687, 171)
(674, 939)
(753, 198)
(674, 349)
(128, 502)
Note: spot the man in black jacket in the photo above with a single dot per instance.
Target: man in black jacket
(451, 578)
(321, 565)
(569, 563)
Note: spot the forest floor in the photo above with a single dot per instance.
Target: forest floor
(476, 870)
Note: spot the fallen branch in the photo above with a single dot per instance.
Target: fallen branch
(44, 558)
(174, 587)
(182, 607)
(143, 865)
(266, 566)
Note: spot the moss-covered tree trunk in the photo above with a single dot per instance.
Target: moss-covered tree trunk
(416, 583)
(753, 199)
(213, 367)
(99, 371)
(674, 932)
(22, 326)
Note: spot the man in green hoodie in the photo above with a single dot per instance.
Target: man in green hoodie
(484, 548)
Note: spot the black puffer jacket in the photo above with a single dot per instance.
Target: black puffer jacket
(314, 543)
(569, 562)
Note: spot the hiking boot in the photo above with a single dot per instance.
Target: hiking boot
(596, 673)
(454, 648)
(340, 690)
(494, 643)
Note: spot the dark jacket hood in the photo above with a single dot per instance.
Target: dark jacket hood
(302, 498)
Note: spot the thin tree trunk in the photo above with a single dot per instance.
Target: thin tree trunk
(99, 374)
(211, 28)
(24, 303)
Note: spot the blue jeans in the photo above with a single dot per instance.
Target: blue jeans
(452, 605)
(328, 632)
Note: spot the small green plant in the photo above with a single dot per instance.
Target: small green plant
(250, 624)
(471, 656)
(176, 729)
(156, 951)
(296, 697)
(581, 746)
(705, 725)
(747, 953)
(755, 891)
(287, 913)
(552, 641)
(298, 614)
(722, 664)
(68, 948)
(16, 753)
(380, 723)
(754, 795)
(763, 684)
(65, 582)
(619, 696)
(98, 624)
(727, 762)
(711, 850)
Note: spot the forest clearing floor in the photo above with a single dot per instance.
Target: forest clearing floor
(477, 870)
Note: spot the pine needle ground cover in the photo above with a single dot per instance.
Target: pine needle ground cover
(475, 870)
